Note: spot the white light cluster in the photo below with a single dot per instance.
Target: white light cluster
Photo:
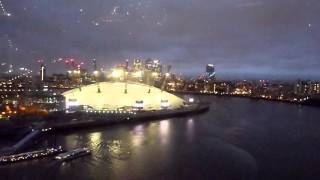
(4, 11)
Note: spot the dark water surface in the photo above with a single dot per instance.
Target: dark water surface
(237, 139)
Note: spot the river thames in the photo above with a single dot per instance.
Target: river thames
(237, 139)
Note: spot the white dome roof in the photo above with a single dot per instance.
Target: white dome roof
(112, 96)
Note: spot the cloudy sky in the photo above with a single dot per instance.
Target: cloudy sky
(257, 38)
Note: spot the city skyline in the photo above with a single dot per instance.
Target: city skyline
(160, 89)
(246, 38)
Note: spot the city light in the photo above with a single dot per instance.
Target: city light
(155, 74)
(96, 73)
(138, 74)
(117, 73)
(171, 89)
(165, 104)
(112, 97)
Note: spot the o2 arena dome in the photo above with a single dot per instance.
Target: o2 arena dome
(121, 95)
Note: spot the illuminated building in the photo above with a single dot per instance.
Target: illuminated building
(137, 75)
(112, 96)
(316, 88)
(42, 72)
(137, 65)
(118, 73)
(153, 65)
(302, 88)
(157, 67)
(210, 71)
(127, 65)
(94, 62)
(149, 64)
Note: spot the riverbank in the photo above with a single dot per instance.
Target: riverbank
(233, 136)
(91, 119)
(309, 102)
(102, 118)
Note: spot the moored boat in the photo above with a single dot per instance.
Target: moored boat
(30, 155)
(73, 154)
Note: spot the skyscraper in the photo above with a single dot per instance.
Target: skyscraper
(137, 65)
(157, 67)
(149, 64)
(127, 65)
(210, 73)
(42, 72)
(153, 65)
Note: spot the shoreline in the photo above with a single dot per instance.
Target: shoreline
(97, 119)
(310, 102)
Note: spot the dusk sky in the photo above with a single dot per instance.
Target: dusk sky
(257, 38)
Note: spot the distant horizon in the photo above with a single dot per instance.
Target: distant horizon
(221, 74)
(244, 38)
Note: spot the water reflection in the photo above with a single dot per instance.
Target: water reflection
(164, 131)
(222, 142)
(114, 146)
(73, 141)
(138, 135)
(95, 138)
(190, 129)
(138, 129)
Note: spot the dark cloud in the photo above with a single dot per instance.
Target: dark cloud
(248, 36)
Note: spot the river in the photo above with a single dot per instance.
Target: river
(237, 139)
